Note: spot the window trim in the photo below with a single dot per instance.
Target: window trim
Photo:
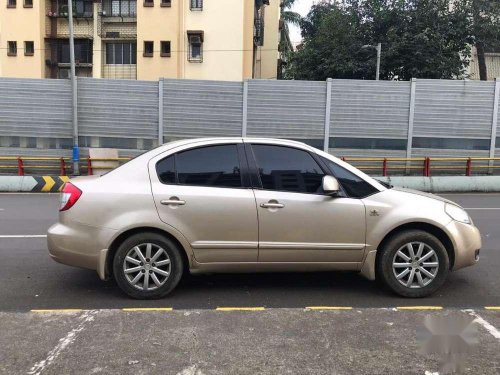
(27, 5)
(242, 160)
(25, 48)
(148, 3)
(165, 54)
(255, 175)
(166, 3)
(148, 54)
(11, 4)
(14, 51)
(201, 35)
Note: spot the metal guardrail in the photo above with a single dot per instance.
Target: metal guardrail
(62, 165)
(425, 164)
(59, 165)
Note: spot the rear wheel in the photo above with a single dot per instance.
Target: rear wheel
(413, 263)
(147, 266)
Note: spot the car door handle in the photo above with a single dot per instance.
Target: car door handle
(173, 201)
(272, 205)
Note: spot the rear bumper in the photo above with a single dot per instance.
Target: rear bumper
(79, 245)
(466, 241)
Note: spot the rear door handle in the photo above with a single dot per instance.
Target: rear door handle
(272, 205)
(174, 201)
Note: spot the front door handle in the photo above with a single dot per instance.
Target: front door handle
(274, 204)
(174, 201)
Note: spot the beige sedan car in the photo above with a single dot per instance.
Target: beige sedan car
(255, 205)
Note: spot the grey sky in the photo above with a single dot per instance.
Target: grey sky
(302, 7)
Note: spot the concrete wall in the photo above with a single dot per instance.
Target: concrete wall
(22, 24)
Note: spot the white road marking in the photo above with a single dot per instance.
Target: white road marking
(24, 236)
(487, 326)
(67, 340)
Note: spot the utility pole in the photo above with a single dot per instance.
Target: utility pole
(379, 53)
(378, 47)
(76, 151)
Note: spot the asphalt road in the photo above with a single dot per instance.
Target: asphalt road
(197, 331)
(31, 280)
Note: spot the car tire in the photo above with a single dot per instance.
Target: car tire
(392, 269)
(127, 259)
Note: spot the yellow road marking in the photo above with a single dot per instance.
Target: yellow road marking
(419, 307)
(240, 308)
(55, 310)
(148, 309)
(492, 307)
(328, 307)
(49, 182)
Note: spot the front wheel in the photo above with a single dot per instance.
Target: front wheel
(413, 263)
(147, 266)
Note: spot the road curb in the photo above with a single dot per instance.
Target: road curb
(35, 184)
(447, 184)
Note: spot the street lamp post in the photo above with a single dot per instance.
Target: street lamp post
(76, 156)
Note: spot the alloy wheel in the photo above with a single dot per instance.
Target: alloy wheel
(415, 265)
(147, 266)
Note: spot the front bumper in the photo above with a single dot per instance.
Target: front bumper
(466, 241)
(79, 245)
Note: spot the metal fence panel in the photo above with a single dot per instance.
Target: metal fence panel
(117, 108)
(369, 109)
(286, 109)
(453, 109)
(35, 108)
(193, 108)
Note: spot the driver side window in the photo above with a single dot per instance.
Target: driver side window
(288, 169)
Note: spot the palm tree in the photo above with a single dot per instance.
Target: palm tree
(288, 17)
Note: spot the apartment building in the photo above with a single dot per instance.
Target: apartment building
(141, 39)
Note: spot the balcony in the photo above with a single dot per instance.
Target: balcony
(117, 19)
(57, 25)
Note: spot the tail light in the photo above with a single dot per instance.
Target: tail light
(69, 195)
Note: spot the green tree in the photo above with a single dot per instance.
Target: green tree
(420, 39)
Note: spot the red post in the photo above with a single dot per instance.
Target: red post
(63, 167)
(20, 167)
(384, 168)
(89, 166)
(427, 167)
(342, 158)
(469, 167)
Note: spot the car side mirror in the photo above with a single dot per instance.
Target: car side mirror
(331, 185)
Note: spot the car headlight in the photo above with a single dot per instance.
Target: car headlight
(457, 213)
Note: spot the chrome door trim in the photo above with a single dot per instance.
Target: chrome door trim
(225, 245)
(312, 246)
(176, 202)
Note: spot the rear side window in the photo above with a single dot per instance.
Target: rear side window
(288, 169)
(354, 186)
(213, 166)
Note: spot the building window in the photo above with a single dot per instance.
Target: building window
(29, 48)
(195, 53)
(149, 3)
(28, 3)
(83, 8)
(83, 51)
(11, 3)
(165, 49)
(148, 49)
(11, 48)
(119, 8)
(196, 4)
(166, 3)
(121, 53)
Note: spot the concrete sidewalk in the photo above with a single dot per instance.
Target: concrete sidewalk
(201, 342)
